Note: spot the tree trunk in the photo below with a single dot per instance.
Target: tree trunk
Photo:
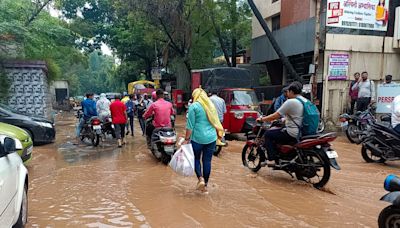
(221, 40)
(234, 51)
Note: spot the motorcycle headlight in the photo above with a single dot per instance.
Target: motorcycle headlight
(43, 124)
(18, 144)
(239, 115)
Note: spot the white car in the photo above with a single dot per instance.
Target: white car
(13, 186)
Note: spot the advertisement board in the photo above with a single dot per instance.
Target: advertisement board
(386, 95)
(338, 66)
(358, 14)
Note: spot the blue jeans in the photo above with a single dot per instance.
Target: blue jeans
(204, 152)
(79, 127)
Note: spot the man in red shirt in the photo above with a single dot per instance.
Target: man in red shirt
(162, 111)
(119, 119)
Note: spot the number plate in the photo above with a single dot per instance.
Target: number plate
(332, 154)
(169, 148)
(96, 127)
(344, 124)
(29, 150)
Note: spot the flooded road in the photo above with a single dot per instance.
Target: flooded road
(82, 186)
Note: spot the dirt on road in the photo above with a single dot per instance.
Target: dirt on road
(82, 186)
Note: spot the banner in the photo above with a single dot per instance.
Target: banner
(338, 66)
(386, 95)
(358, 14)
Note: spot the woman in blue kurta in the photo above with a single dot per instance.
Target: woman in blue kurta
(203, 128)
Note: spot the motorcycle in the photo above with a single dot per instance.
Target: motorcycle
(311, 155)
(390, 215)
(107, 127)
(91, 130)
(356, 125)
(381, 143)
(162, 143)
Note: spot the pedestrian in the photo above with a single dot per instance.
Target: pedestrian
(366, 92)
(281, 99)
(147, 101)
(119, 119)
(388, 80)
(131, 105)
(203, 127)
(353, 93)
(219, 105)
(141, 108)
(396, 114)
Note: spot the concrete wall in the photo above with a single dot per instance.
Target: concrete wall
(373, 54)
(267, 10)
(29, 91)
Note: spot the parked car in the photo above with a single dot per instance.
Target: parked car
(23, 141)
(13, 186)
(39, 129)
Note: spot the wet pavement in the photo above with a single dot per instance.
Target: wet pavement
(81, 186)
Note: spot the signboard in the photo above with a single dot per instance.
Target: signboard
(338, 66)
(358, 14)
(156, 73)
(386, 95)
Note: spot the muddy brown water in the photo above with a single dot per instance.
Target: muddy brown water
(81, 186)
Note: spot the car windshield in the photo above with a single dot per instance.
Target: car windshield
(244, 97)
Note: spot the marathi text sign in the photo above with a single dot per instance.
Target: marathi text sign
(338, 66)
(386, 95)
(358, 14)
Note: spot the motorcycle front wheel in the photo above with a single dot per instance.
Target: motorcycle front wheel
(369, 157)
(351, 133)
(316, 170)
(251, 157)
(389, 217)
(321, 126)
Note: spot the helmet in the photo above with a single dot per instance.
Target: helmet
(154, 95)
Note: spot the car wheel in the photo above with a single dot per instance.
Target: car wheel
(23, 213)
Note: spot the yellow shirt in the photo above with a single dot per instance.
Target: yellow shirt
(380, 13)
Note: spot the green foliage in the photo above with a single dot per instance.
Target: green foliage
(265, 80)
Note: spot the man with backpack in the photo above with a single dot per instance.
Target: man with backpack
(302, 118)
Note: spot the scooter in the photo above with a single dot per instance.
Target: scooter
(162, 143)
(390, 215)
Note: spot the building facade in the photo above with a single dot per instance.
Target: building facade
(375, 50)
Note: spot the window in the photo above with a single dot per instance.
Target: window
(276, 22)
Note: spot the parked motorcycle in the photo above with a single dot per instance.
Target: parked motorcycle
(381, 143)
(356, 125)
(107, 127)
(390, 215)
(162, 143)
(310, 159)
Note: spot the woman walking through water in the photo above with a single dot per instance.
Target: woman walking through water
(202, 129)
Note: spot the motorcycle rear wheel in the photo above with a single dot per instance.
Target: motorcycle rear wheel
(96, 140)
(251, 158)
(369, 157)
(310, 174)
(389, 217)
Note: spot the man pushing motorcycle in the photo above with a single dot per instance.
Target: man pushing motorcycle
(293, 110)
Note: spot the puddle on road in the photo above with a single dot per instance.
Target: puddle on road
(82, 186)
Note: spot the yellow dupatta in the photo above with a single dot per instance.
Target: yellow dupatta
(200, 96)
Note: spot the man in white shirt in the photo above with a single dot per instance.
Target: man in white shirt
(219, 105)
(396, 114)
(388, 80)
(366, 92)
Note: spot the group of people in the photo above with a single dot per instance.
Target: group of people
(122, 112)
(362, 91)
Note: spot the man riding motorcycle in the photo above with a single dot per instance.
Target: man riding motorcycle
(103, 107)
(162, 111)
(292, 109)
(89, 110)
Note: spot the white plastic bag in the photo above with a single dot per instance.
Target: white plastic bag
(183, 161)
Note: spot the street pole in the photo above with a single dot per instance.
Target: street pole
(314, 88)
(274, 44)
